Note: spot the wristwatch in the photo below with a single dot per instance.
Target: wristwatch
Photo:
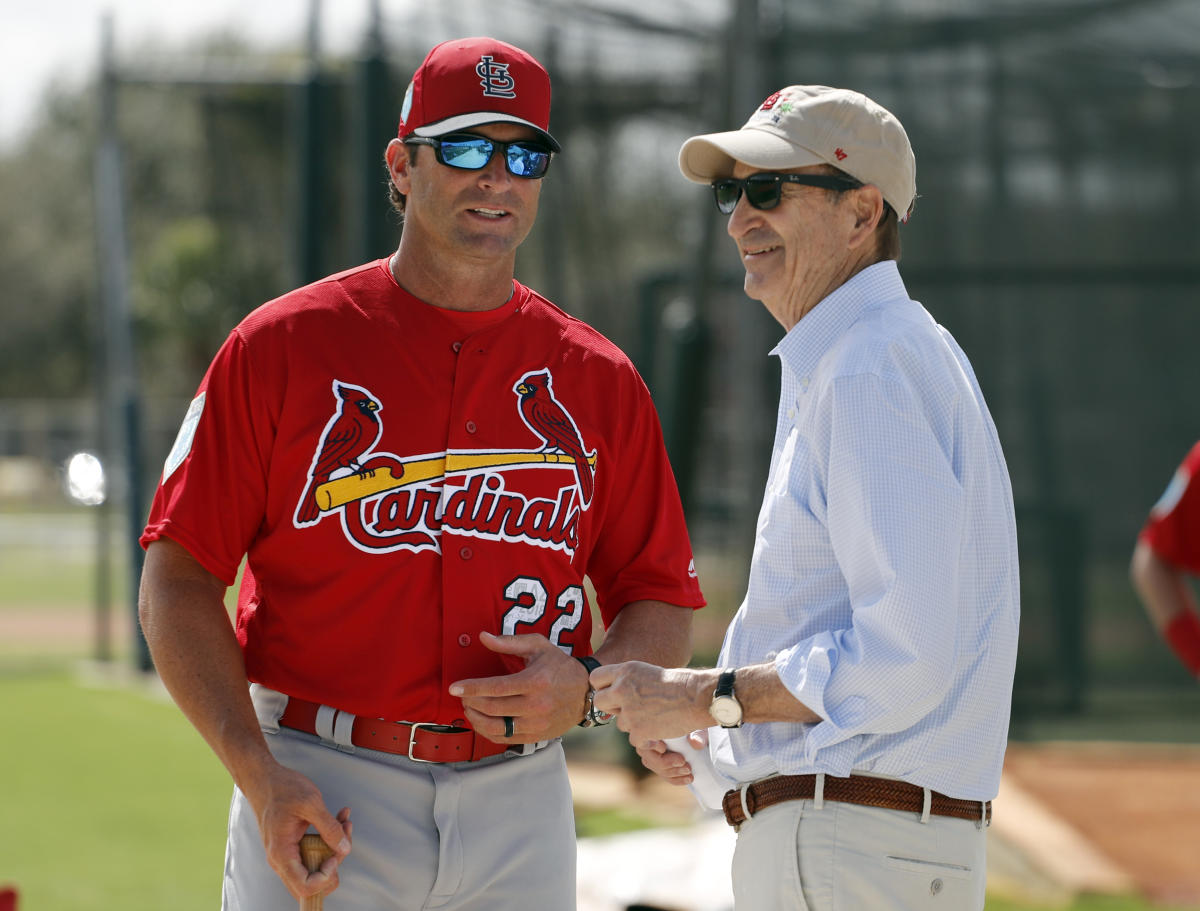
(725, 708)
(592, 716)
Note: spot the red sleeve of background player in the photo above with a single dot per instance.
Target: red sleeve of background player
(642, 551)
(1173, 528)
(212, 494)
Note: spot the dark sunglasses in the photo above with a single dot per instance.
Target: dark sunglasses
(763, 191)
(469, 152)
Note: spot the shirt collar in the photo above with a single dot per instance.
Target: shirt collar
(815, 333)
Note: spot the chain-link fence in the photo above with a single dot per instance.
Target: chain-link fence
(1058, 153)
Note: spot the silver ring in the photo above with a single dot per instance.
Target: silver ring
(509, 730)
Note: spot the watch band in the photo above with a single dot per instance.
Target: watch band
(725, 683)
(592, 717)
(588, 661)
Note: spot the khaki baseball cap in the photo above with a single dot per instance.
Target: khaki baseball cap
(805, 125)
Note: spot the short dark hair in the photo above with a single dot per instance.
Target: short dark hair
(394, 194)
(887, 235)
(887, 232)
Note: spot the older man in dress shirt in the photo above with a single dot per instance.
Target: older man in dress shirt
(860, 711)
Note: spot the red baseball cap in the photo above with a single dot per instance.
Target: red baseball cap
(468, 82)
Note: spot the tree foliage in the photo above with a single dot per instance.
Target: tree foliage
(205, 221)
(47, 255)
(211, 203)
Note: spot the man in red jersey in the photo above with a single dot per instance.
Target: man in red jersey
(1167, 553)
(420, 459)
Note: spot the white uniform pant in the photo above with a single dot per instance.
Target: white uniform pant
(493, 835)
(794, 856)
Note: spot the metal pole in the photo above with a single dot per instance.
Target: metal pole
(310, 145)
(756, 396)
(102, 584)
(554, 230)
(373, 128)
(102, 581)
(114, 293)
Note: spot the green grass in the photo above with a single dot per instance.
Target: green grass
(110, 800)
(34, 577)
(596, 823)
(1085, 903)
(50, 558)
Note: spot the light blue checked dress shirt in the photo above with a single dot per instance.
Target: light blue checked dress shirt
(884, 582)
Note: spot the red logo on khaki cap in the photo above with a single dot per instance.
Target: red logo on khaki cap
(770, 102)
(474, 81)
(841, 156)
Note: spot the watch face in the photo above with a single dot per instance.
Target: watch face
(726, 711)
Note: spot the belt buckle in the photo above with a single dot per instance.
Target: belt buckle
(412, 738)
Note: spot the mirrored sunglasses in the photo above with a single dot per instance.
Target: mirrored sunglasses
(469, 152)
(763, 191)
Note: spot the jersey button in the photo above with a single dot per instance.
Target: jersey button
(466, 553)
(456, 347)
(464, 640)
(470, 427)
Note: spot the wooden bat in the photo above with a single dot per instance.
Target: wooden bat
(349, 488)
(314, 852)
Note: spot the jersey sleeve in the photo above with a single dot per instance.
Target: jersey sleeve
(642, 550)
(212, 494)
(1172, 529)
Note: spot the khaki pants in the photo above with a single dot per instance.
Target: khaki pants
(794, 856)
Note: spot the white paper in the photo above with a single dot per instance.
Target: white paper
(708, 783)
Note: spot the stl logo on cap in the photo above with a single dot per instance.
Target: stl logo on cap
(495, 79)
(773, 109)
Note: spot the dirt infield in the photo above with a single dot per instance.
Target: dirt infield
(1137, 804)
(62, 632)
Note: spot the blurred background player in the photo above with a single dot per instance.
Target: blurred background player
(1166, 554)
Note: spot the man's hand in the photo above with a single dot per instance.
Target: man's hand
(544, 700)
(651, 702)
(287, 805)
(667, 764)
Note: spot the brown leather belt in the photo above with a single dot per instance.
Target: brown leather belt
(420, 741)
(743, 803)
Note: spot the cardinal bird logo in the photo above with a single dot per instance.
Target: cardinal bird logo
(350, 434)
(546, 417)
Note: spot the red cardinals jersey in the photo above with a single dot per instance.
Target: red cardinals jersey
(1173, 528)
(402, 477)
